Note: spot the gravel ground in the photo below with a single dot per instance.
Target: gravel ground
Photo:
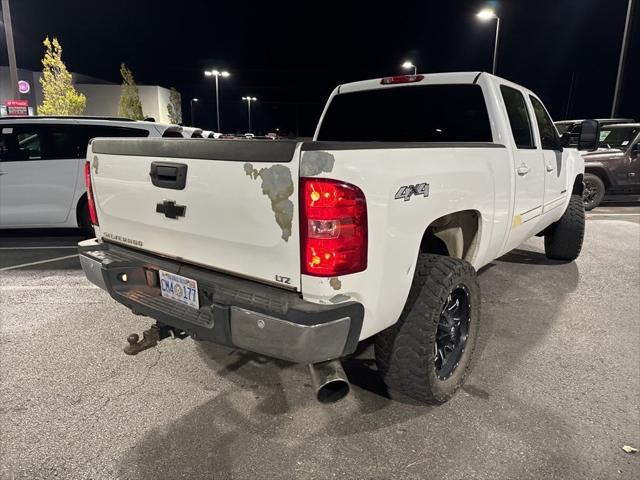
(555, 392)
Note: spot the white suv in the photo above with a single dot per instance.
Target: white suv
(42, 167)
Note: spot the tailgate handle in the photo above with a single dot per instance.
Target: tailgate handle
(168, 175)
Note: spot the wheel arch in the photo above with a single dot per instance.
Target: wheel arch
(82, 201)
(601, 173)
(454, 235)
(578, 185)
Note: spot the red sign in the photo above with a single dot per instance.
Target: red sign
(17, 107)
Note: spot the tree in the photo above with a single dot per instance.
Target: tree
(174, 107)
(59, 95)
(130, 106)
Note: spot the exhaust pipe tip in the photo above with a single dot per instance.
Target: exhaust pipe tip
(333, 391)
(330, 381)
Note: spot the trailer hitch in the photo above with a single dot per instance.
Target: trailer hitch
(151, 337)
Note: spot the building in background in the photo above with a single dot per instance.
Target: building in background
(102, 97)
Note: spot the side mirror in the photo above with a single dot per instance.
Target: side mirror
(589, 135)
(635, 149)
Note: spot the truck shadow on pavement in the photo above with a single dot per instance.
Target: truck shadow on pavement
(269, 413)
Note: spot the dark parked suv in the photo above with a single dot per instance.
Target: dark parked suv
(573, 127)
(615, 166)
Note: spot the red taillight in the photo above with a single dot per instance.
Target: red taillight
(333, 227)
(401, 79)
(90, 203)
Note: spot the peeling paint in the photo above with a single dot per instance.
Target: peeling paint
(335, 283)
(250, 171)
(277, 184)
(314, 163)
(339, 298)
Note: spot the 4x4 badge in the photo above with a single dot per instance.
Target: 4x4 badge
(170, 209)
(407, 191)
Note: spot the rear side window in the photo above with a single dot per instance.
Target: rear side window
(548, 133)
(93, 131)
(518, 117)
(62, 141)
(106, 131)
(421, 113)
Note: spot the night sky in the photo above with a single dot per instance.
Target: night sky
(292, 54)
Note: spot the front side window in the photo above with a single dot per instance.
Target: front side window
(518, 117)
(420, 113)
(617, 137)
(548, 134)
(19, 143)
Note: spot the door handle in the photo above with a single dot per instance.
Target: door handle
(3, 173)
(550, 168)
(523, 170)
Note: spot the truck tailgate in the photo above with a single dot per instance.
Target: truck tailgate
(236, 213)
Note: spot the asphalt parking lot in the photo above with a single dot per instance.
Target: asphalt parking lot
(555, 392)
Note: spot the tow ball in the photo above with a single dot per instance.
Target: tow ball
(151, 337)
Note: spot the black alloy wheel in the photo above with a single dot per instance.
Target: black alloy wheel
(452, 332)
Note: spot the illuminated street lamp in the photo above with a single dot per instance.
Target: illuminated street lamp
(485, 15)
(216, 73)
(249, 100)
(409, 65)
(191, 103)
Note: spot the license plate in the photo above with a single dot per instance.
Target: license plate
(178, 288)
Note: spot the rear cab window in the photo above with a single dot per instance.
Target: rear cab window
(417, 113)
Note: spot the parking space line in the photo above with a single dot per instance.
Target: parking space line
(614, 214)
(39, 248)
(4, 269)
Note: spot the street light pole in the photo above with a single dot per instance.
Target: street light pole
(495, 47)
(192, 114)
(216, 73)
(623, 57)
(8, 31)
(488, 14)
(408, 64)
(217, 105)
(249, 100)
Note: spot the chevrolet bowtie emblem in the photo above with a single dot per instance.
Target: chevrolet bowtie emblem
(170, 209)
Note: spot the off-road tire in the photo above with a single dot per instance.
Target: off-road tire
(563, 239)
(405, 351)
(594, 191)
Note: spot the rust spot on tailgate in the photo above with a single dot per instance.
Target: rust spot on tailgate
(335, 283)
(314, 163)
(277, 184)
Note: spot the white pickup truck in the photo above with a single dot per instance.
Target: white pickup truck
(300, 250)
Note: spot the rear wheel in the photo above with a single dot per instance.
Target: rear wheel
(594, 189)
(427, 353)
(563, 239)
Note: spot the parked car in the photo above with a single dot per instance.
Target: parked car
(376, 228)
(615, 167)
(42, 167)
(572, 127)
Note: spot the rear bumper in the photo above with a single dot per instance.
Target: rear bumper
(233, 311)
